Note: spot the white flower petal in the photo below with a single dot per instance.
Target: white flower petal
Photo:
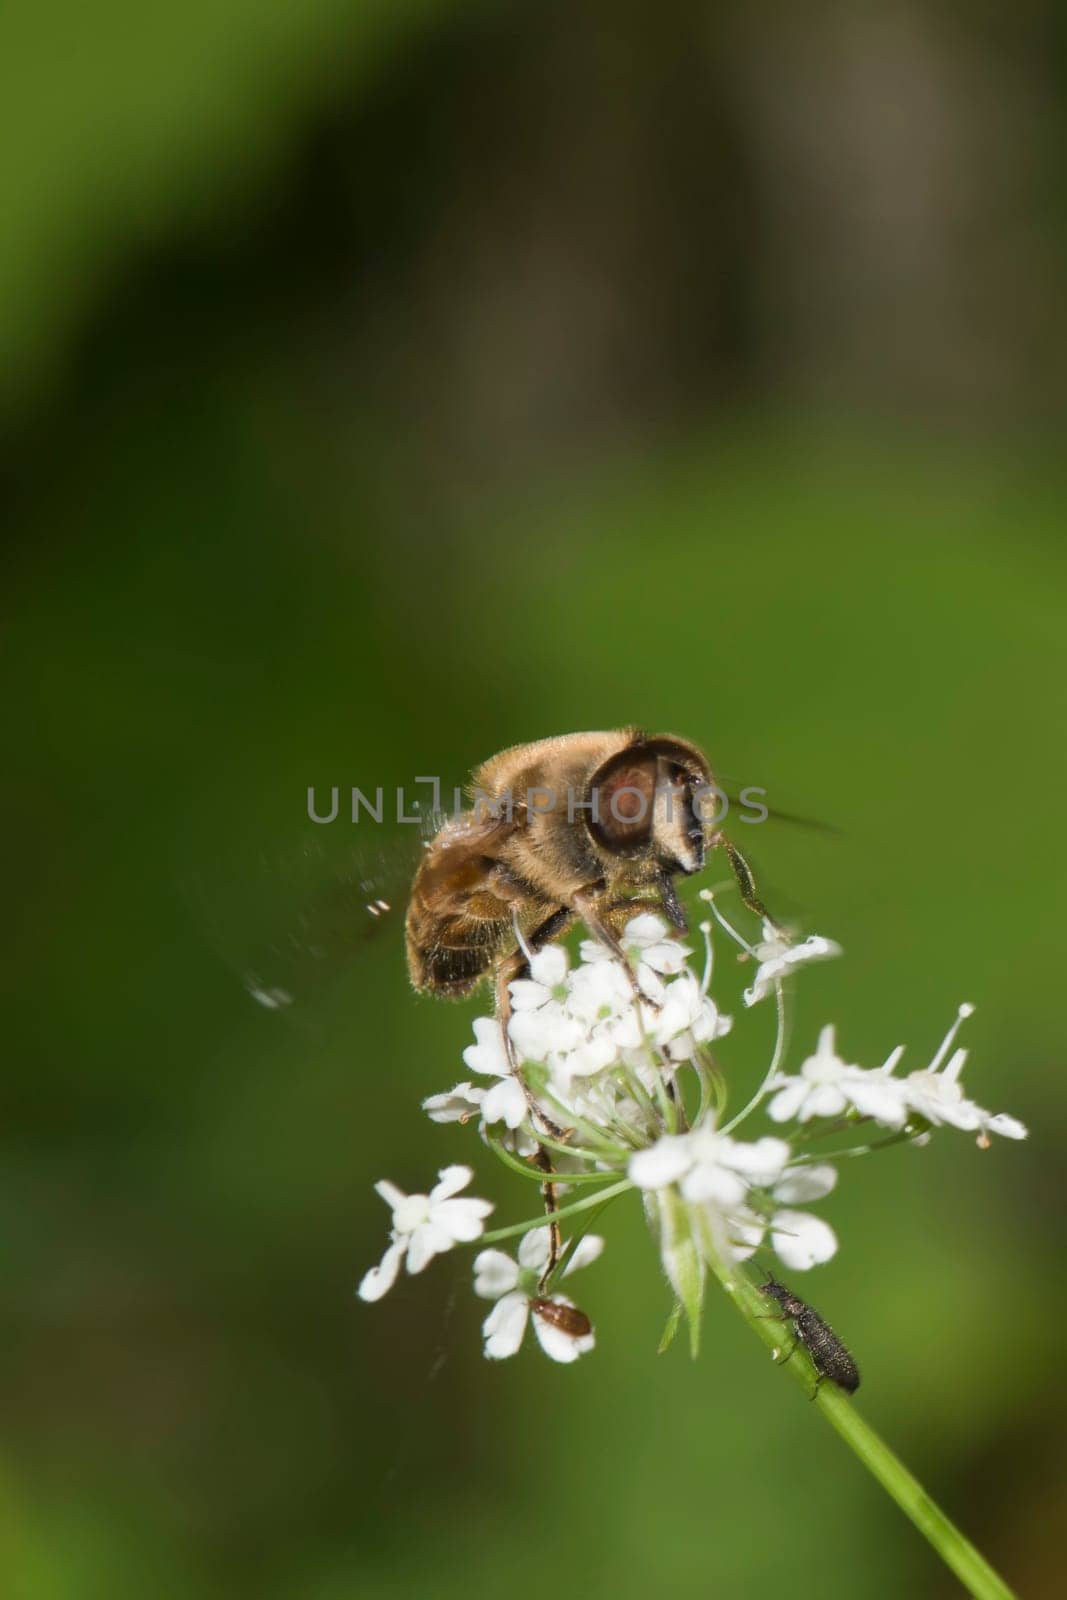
(777, 957)
(389, 1192)
(709, 1181)
(710, 1023)
(410, 1213)
(598, 991)
(462, 1220)
(1007, 1127)
(592, 951)
(930, 1100)
(590, 1057)
(823, 1100)
(535, 1248)
(427, 1241)
(585, 1252)
(682, 1048)
(526, 995)
(457, 1105)
(762, 1161)
(682, 1007)
(662, 1163)
(557, 1344)
(801, 1240)
(746, 1234)
(380, 1279)
(800, 1185)
(495, 1274)
(645, 929)
(488, 1057)
(505, 1325)
(530, 1034)
(549, 966)
(666, 956)
(450, 1180)
(625, 1031)
(788, 1101)
(505, 1102)
(876, 1095)
(825, 1065)
(814, 948)
(535, 1034)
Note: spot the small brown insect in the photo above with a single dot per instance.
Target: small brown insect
(568, 1319)
(590, 826)
(829, 1356)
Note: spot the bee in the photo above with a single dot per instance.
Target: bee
(589, 826)
(830, 1358)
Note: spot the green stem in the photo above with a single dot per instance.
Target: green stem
(537, 1174)
(601, 1196)
(957, 1552)
(572, 1244)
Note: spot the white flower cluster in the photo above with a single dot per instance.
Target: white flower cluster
(583, 1027)
(424, 1225)
(826, 1086)
(605, 1083)
(750, 1187)
(514, 1287)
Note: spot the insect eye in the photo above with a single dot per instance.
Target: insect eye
(622, 795)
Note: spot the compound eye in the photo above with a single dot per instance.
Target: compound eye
(622, 803)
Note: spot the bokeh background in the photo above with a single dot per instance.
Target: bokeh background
(384, 384)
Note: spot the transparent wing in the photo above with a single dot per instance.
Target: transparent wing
(288, 921)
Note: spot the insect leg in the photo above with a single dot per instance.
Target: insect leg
(650, 897)
(792, 1348)
(550, 1196)
(517, 965)
(599, 925)
(670, 903)
(746, 883)
(790, 1353)
(512, 967)
(779, 1316)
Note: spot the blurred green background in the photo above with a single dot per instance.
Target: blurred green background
(384, 384)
